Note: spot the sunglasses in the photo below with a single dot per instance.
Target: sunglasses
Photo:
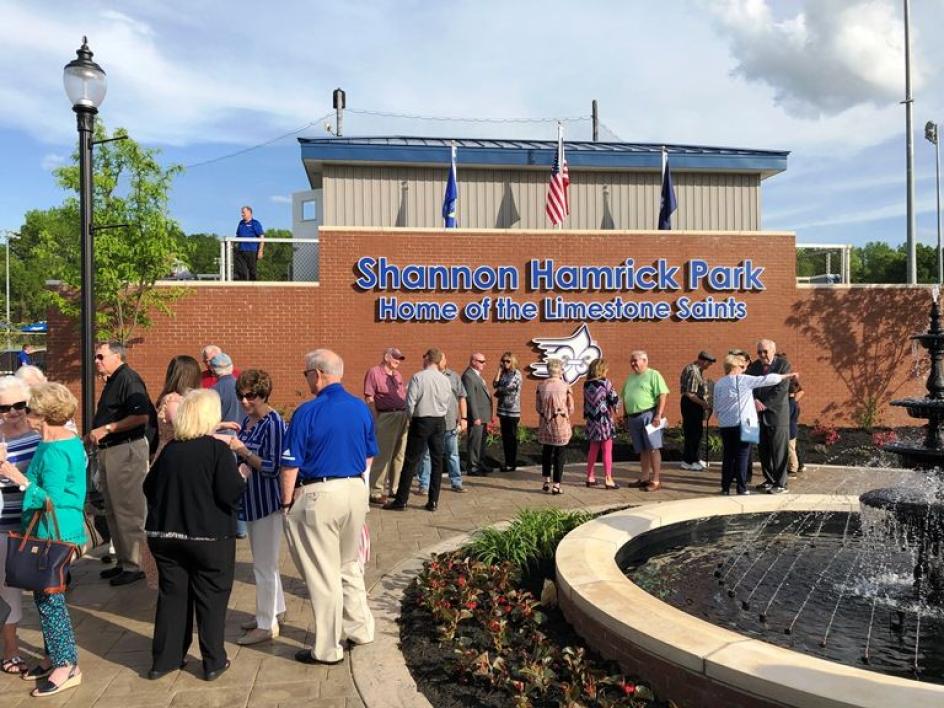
(18, 406)
(480, 361)
(248, 395)
(506, 361)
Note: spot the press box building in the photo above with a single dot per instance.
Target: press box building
(399, 182)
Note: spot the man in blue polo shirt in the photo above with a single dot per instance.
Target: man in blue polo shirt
(248, 253)
(329, 446)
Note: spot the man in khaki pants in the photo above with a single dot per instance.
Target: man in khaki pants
(120, 432)
(328, 449)
(386, 395)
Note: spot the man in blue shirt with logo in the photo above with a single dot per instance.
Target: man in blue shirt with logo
(248, 253)
(329, 446)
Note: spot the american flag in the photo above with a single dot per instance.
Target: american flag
(558, 203)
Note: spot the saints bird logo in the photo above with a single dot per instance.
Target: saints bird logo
(575, 352)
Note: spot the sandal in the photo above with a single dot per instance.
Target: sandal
(37, 673)
(610, 484)
(652, 487)
(641, 483)
(556, 489)
(48, 688)
(546, 487)
(14, 665)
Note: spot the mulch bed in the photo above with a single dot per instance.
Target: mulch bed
(854, 447)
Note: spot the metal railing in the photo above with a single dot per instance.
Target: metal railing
(303, 266)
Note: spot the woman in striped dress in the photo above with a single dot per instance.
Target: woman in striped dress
(20, 443)
(258, 448)
(600, 402)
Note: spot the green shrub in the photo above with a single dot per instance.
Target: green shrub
(529, 542)
(579, 434)
(714, 443)
(525, 435)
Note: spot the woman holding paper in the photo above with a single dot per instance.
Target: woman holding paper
(644, 395)
(737, 419)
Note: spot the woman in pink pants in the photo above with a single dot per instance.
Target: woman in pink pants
(600, 401)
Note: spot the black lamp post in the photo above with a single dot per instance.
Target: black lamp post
(85, 86)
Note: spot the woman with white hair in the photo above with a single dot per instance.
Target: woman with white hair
(18, 442)
(555, 405)
(192, 491)
(31, 375)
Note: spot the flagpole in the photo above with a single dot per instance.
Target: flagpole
(560, 159)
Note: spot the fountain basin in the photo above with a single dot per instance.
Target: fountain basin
(689, 660)
(915, 456)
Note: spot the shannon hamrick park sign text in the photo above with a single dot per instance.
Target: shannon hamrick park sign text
(546, 290)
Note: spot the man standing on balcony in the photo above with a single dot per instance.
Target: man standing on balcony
(248, 253)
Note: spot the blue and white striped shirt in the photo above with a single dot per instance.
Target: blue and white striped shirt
(263, 495)
(19, 454)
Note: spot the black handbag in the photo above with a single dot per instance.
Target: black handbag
(39, 564)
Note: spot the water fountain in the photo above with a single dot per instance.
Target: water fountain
(810, 599)
(914, 516)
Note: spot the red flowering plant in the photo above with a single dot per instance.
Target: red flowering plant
(826, 434)
(493, 432)
(881, 438)
(496, 631)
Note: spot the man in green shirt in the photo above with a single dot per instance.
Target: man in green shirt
(644, 395)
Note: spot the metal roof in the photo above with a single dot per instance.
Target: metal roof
(510, 154)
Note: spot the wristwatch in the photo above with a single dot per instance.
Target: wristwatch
(109, 428)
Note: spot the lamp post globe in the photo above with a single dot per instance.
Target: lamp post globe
(85, 85)
(84, 80)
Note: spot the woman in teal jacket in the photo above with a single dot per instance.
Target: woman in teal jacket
(56, 474)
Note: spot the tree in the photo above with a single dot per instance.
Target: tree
(276, 261)
(130, 188)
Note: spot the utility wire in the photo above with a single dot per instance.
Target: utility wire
(459, 119)
(259, 145)
(456, 119)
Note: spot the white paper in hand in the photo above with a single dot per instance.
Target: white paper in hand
(653, 427)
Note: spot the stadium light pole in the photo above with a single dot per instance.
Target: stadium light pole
(933, 135)
(912, 274)
(85, 85)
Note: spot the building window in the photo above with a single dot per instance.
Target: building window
(309, 210)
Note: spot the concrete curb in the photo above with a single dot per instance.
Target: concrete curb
(380, 673)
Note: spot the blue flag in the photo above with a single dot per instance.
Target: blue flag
(451, 197)
(668, 204)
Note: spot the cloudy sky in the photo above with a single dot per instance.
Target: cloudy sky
(206, 78)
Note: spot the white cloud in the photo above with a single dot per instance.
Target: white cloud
(51, 161)
(280, 199)
(830, 56)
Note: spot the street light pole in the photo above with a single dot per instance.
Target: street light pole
(85, 86)
(932, 133)
(10, 235)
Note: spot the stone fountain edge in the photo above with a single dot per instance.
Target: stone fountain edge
(693, 661)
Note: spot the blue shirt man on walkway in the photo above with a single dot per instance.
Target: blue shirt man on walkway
(248, 253)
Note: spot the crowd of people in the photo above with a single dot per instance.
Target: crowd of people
(210, 461)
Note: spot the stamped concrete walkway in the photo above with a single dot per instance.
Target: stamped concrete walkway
(113, 625)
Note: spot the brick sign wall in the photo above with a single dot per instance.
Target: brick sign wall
(850, 344)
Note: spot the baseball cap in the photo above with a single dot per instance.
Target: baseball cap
(394, 352)
(221, 361)
(706, 356)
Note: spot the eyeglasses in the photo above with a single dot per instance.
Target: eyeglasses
(18, 406)
(99, 357)
(308, 371)
(248, 395)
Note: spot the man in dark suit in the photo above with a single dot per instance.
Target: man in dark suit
(479, 412)
(773, 412)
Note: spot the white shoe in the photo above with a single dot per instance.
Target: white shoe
(704, 465)
(687, 466)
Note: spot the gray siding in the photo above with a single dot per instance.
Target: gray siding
(412, 196)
